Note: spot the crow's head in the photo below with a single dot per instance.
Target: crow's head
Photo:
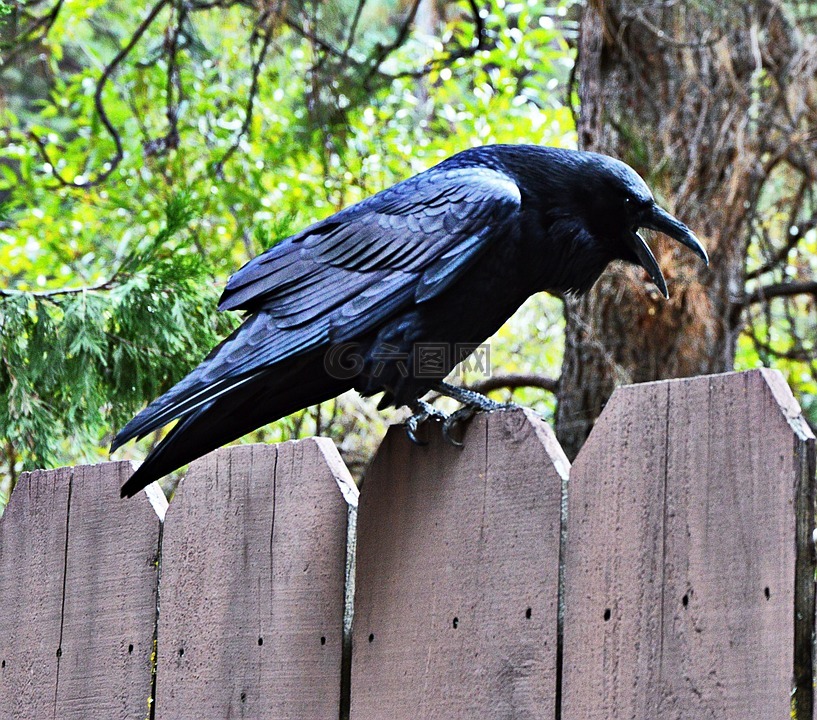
(616, 203)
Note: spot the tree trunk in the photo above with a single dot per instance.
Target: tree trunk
(676, 91)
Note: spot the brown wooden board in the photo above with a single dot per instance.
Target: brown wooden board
(252, 585)
(32, 563)
(456, 589)
(77, 596)
(689, 565)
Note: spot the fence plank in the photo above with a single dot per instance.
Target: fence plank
(457, 575)
(689, 564)
(252, 584)
(77, 596)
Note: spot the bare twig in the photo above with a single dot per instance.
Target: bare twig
(791, 243)
(59, 292)
(451, 54)
(350, 38)
(383, 51)
(789, 289)
(262, 30)
(765, 350)
(708, 40)
(113, 163)
(170, 140)
(44, 23)
(319, 42)
(513, 381)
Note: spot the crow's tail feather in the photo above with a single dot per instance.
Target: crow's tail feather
(274, 394)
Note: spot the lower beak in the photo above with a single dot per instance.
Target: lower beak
(661, 220)
(647, 260)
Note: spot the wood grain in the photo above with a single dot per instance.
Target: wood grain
(689, 565)
(77, 596)
(252, 585)
(456, 596)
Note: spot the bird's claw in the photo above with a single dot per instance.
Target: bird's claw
(422, 412)
(464, 414)
(472, 403)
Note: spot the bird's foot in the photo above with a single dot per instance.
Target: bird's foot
(472, 402)
(422, 412)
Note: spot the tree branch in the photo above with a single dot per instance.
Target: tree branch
(350, 40)
(218, 168)
(59, 292)
(781, 255)
(767, 292)
(43, 22)
(385, 50)
(766, 351)
(170, 140)
(452, 54)
(324, 45)
(113, 163)
(513, 381)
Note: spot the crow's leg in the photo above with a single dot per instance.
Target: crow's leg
(469, 398)
(422, 412)
(472, 402)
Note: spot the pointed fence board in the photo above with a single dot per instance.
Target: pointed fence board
(689, 564)
(252, 585)
(686, 551)
(78, 579)
(456, 588)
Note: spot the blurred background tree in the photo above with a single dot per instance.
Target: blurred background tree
(714, 104)
(149, 152)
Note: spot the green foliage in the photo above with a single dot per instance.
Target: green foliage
(78, 362)
(325, 131)
(112, 286)
(781, 333)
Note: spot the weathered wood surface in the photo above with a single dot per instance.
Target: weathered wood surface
(689, 566)
(456, 593)
(77, 596)
(252, 585)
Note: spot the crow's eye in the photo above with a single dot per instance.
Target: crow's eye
(632, 204)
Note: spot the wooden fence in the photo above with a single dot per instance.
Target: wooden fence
(670, 573)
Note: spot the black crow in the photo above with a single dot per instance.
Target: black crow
(439, 260)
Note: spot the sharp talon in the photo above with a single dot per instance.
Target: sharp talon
(412, 425)
(451, 440)
(460, 416)
(422, 412)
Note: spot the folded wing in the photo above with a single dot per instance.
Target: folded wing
(344, 276)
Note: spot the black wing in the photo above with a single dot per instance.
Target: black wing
(420, 233)
(345, 275)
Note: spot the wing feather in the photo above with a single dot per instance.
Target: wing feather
(344, 276)
(407, 227)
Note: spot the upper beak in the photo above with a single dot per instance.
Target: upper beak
(661, 220)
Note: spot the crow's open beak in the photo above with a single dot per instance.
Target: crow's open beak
(661, 220)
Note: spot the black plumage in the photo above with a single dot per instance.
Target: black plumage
(443, 257)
